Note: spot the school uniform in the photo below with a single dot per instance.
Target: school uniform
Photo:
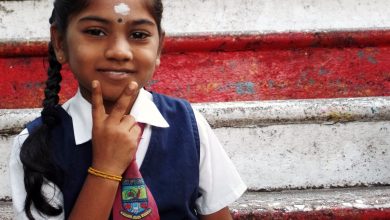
(218, 183)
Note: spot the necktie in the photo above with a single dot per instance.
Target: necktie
(133, 199)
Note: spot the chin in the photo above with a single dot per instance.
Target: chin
(112, 93)
(111, 98)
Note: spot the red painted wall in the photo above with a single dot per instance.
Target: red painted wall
(231, 68)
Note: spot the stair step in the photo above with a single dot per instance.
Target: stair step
(296, 144)
(345, 203)
(336, 203)
(5, 210)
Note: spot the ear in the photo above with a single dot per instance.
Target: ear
(58, 43)
(160, 47)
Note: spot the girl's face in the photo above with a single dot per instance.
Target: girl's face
(114, 41)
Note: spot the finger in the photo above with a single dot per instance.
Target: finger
(98, 110)
(135, 131)
(128, 122)
(124, 102)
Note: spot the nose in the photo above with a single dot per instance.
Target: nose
(119, 49)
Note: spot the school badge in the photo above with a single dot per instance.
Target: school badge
(134, 199)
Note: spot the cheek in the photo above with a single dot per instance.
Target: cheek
(149, 58)
(80, 58)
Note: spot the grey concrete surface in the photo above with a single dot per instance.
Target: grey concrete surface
(26, 20)
(292, 144)
(314, 200)
(294, 201)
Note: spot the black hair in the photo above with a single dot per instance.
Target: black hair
(156, 9)
(36, 153)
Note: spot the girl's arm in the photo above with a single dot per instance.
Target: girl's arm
(114, 141)
(219, 181)
(223, 214)
(95, 199)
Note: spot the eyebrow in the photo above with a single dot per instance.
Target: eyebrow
(107, 21)
(143, 22)
(94, 18)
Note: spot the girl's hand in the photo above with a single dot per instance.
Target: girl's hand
(114, 136)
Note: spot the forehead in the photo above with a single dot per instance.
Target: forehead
(115, 8)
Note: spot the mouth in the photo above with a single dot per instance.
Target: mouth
(116, 74)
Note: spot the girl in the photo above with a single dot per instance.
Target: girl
(76, 161)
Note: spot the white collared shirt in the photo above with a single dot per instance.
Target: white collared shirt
(219, 181)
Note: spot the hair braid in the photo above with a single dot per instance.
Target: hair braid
(36, 152)
(53, 81)
(49, 113)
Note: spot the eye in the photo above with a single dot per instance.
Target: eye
(95, 32)
(139, 35)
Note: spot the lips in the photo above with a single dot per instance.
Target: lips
(116, 74)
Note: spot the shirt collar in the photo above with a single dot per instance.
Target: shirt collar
(144, 110)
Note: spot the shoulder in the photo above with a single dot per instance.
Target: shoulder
(168, 101)
(174, 109)
(17, 144)
(33, 125)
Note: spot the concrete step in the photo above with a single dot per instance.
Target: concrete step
(347, 203)
(276, 145)
(6, 212)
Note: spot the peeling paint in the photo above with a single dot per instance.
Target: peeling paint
(245, 88)
(323, 71)
(368, 55)
(340, 117)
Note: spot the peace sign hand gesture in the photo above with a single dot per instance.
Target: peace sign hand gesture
(114, 136)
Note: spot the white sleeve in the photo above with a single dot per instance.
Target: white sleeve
(219, 181)
(17, 185)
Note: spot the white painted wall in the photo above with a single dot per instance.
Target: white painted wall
(29, 19)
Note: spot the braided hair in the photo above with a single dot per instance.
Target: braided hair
(36, 153)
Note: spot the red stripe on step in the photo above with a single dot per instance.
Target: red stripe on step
(231, 68)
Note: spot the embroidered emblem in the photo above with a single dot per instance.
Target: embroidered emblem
(134, 199)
